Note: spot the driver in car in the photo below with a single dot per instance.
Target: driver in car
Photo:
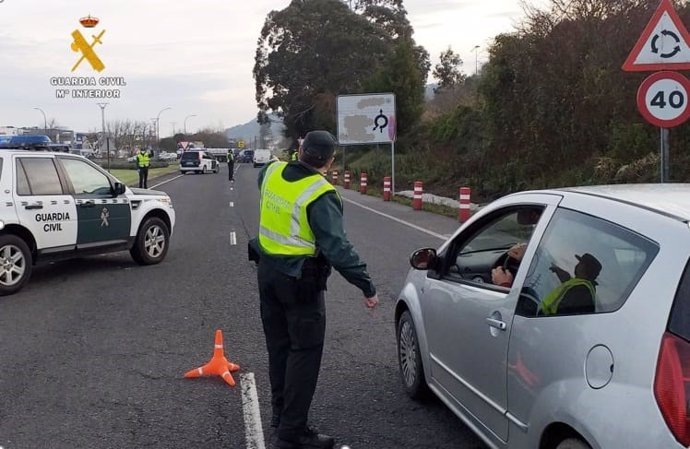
(503, 277)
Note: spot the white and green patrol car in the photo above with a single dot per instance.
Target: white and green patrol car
(57, 205)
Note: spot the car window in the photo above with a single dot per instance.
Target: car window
(679, 323)
(583, 265)
(86, 179)
(38, 176)
(190, 156)
(472, 259)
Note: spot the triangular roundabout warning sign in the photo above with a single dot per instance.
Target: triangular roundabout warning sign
(663, 45)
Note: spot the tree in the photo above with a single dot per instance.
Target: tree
(307, 54)
(447, 71)
(401, 75)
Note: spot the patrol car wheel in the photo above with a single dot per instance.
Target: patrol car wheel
(151, 244)
(410, 358)
(15, 264)
(203, 170)
(572, 443)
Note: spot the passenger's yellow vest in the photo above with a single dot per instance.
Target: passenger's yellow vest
(550, 304)
(143, 160)
(283, 225)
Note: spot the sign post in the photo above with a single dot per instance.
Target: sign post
(663, 97)
(368, 119)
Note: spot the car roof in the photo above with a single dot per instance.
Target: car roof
(668, 199)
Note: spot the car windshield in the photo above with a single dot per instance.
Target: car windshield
(190, 155)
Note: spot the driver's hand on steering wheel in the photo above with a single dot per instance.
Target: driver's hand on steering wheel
(517, 251)
(501, 277)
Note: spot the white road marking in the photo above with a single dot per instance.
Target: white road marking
(252, 414)
(232, 204)
(167, 181)
(233, 238)
(403, 222)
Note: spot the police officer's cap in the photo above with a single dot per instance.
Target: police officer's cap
(319, 145)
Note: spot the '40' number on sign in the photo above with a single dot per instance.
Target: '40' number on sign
(676, 99)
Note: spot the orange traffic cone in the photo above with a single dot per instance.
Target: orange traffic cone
(218, 365)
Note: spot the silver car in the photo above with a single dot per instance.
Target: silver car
(587, 343)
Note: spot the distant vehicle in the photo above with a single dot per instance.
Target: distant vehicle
(86, 152)
(198, 161)
(221, 154)
(246, 156)
(165, 156)
(261, 157)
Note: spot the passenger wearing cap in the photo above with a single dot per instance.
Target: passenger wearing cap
(576, 294)
(301, 236)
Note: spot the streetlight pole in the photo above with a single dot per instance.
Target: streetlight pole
(158, 121)
(185, 124)
(476, 61)
(107, 143)
(45, 121)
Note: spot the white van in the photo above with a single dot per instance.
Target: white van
(262, 157)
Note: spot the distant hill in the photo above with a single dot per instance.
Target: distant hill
(249, 130)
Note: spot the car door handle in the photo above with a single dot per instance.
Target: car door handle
(87, 204)
(498, 324)
(33, 206)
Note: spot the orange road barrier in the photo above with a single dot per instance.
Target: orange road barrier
(387, 188)
(464, 197)
(218, 365)
(347, 179)
(417, 197)
(363, 183)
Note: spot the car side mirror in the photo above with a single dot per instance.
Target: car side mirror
(423, 259)
(119, 188)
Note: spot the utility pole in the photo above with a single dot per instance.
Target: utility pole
(173, 128)
(107, 141)
(45, 121)
(476, 61)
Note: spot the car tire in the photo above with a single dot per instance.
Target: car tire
(152, 242)
(573, 443)
(16, 264)
(203, 170)
(410, 358)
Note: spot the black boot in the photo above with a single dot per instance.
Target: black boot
(310, 439)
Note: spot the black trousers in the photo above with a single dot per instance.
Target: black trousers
(293, 313)
(231, 170)
(143, 177)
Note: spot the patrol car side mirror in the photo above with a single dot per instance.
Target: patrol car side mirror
(119, 188)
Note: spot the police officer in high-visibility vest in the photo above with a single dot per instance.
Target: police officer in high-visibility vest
(576, 294)
(143, 163)
(300, 237)
(294, 156)
(231, 165)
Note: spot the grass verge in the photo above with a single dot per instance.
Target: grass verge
(131, 176)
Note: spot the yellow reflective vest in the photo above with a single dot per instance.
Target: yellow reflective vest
(231, 156)
(550, 304)
(143, 160)
(283, 224)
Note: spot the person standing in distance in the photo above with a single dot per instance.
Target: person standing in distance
(300, 237)
(143, 162)
(231, 165)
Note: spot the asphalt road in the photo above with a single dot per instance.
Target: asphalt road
(92, 351)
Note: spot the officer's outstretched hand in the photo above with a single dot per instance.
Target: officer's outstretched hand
(371, 302)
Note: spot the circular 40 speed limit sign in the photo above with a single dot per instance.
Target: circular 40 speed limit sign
(663, 99)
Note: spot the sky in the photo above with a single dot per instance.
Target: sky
(194, 57)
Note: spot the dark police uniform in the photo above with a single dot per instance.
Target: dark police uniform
(292, 288)
(231, 165)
